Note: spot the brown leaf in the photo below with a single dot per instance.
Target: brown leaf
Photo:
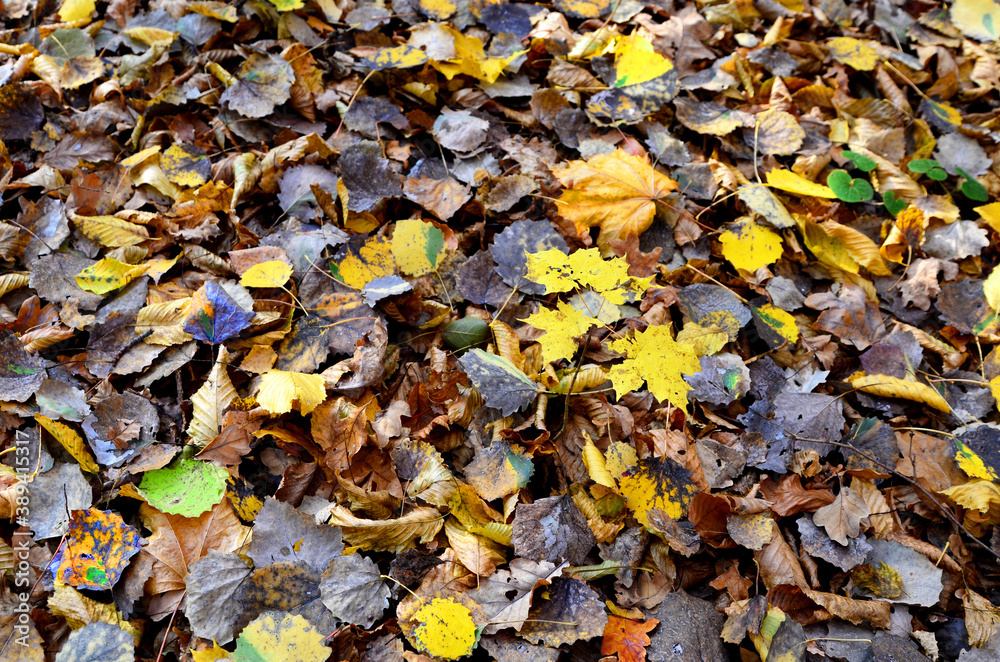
(842, 518)
(778, 564)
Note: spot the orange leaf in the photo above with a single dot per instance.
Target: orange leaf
(627, 638)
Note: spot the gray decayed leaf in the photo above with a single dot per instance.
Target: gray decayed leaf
(723, 378)
(353, 590)
(54, 494)
(507, 648)
(506, 595)
(97, 642)
(479, 282)
(281, 533)
(921, 578)
(552, 529)
(263, 82)
(501, 384)
(818, 543)
(368, 176)
(570, 601)
(690, 631)
(212, 581)
(295, 194)
(107, 413)
(21, 373)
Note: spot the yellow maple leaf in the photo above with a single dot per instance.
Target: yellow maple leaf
(444, 629)
(655, 357)
(559, 272)
(279, 388)
(561, 325)
(617, 192)
(750, 246)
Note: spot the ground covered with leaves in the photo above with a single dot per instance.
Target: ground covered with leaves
(426, 329)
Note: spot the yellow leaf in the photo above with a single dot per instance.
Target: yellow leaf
(982, 618)
(388, 535)
(13, 281)
(619, 458)
(274, 273)
(111, 231)
(856, 53)
(635, 60)
(559, 272)
(781, 321)
(862, 249)
(658, 482)
(108, 275)
(417, 246)
(71, 441)
(152, 36)
(788, 181)
(778, 132)
(471, 59)
(216, 652)
(991, 214)
(562, 325)
(274, 636)
(973, 465)
(279, 388)
(749, 246)
(981, 495)
(438, 10)
(182, 166)
(210, 402)
(762, 201)
(584, 8)
(166, 321)
(617, 192)
(977, 19)
(141, 156)
(991, 288)
(76, 10)
(444, 629)
(655, 357)
(706, 340)
(894, 387)
(396, 57)
(372, 260)
(596, 467)
(827, 248)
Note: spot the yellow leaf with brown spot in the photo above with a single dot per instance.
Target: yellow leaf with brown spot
(444, 628)
(658, 482)
(858, 54)
(750, 246)
(363, 264)
(108, 275)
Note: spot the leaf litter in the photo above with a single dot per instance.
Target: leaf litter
(590, 330)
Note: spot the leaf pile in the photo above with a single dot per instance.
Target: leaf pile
(432, 329)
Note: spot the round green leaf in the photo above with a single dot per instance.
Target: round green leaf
(972, 189)
(860, 161)
(465, 332)
(848, 189)
(188, 488)
(893, 204)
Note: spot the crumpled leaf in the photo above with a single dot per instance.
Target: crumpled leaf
(262, 82)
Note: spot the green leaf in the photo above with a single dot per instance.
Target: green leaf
(928, 167)
(893, 204)
(972, 189)
(189, 488)
(848, 189)
(465, 332)
(860, 161)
